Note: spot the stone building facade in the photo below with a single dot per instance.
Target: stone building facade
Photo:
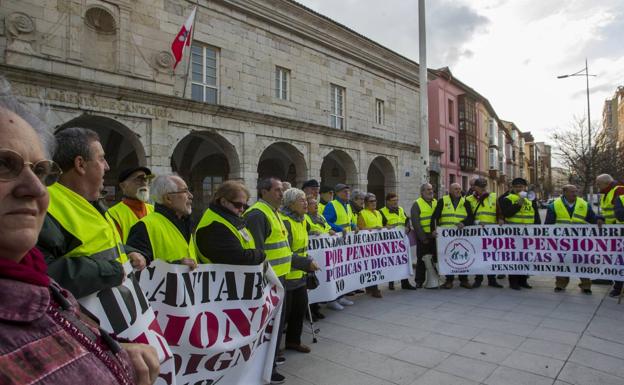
(274, 89)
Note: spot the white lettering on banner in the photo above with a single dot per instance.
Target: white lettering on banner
(124, 311)
(358, 260)
(219, 320)
(585, 251)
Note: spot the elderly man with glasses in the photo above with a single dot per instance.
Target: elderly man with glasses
(166, 233)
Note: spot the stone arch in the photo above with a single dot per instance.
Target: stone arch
(205, 160)
(338, 167)
(284, 161)
(381, 179)
(122, 147)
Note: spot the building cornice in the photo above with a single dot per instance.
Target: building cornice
(66, 83)
(302, 21)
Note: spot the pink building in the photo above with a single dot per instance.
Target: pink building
(444, 131)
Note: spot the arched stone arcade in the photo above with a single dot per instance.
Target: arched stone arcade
(122, 147)
(205, 160)
(381, 179)
(284, 161)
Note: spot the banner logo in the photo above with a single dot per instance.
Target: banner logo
(460, 254)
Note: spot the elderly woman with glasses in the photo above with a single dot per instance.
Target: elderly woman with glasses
(222, 235)
(44, 337)
(296, 302)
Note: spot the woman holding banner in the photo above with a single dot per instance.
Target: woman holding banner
(221, 235)
(293, 213)
(44, 336)
(369, 218)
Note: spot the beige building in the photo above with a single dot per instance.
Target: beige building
(273, 89)
(560, 178)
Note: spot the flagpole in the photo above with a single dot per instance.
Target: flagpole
(188, 64)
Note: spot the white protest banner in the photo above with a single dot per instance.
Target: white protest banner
(358, 260)
(125, 312)
(219, 320)
(564, 250)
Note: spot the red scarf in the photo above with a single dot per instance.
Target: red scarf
(31, 269)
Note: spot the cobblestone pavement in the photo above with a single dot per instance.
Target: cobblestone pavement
(465, 337)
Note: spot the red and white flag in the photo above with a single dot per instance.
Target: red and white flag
(183, 38)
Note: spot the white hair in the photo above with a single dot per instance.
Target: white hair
(161, 186)
(291, 195)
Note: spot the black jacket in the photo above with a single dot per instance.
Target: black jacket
(217, 243)
(138, 237)
(82, 275)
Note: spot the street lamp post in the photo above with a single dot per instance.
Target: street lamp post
(585, 72)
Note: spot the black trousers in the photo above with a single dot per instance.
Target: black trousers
(517, 280)
(282, 320)
(617, 285)
(296, 308)
(424, 249)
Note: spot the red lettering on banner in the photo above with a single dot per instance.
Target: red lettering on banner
(158, 334)
(243, 324)
(174, 328)
(212, 327)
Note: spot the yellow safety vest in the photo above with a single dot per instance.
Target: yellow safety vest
(371, 218)
(299, 245)
(452, 215)
(344, 218)
(563, 216)
(168, 243)
(607, 208)
(97, 233)
(244, 236)
(485, 213)
(426, 212)
(318, 228)
(321, 208)
(394, 219)
(526, 215)
(276, 246)
(125, 218)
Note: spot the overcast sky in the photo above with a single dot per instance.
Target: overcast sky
(510, 51)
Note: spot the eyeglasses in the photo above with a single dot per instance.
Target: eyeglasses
(12, 164)
(238, 205)
(142, 178)
(185, 191)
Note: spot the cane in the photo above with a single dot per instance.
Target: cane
(312, 329)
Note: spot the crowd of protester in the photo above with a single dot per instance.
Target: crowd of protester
(60, 243)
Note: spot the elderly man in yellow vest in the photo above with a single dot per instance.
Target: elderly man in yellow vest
(134, 184)
(611, 193)
(483, 204)
(517, 209)
(453, 211)
(570, 209)
(270, 235)
(167, 233)
(81, 245)
(420, 215)
(338, 212)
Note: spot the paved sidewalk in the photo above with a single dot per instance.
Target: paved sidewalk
(465, 337)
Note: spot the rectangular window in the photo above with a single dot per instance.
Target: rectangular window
(451, 111)
(465, 183)
(452, 149)
(282, 82)
(379, 111)
(451, 179)
(204, 74)
(337, 116)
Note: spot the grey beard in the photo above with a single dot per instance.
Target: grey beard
(143, 195)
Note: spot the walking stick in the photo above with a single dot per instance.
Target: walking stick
(312, 328)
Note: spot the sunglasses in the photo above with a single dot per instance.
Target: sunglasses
(12, 164)
(238, 205)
